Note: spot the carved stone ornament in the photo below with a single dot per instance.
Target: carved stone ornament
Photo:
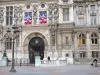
(34, 11)
(17, 13)
(50, 8)
(55, 9)
(1, 14)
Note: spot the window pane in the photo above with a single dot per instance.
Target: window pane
(7, 20)
(93, 19)
(11, 21)
(80, 8)
(92, 7)
(65, 14)
(83, 41)
(81, 21)
(84, 54)
(80, 55)
(7, 8)
(11, 12)
(9, 15)
(95, 40)
(11, 8)
(92, 41)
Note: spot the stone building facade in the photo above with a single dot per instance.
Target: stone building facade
(55, 28)
(87, 37)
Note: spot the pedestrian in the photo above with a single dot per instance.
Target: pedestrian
(94, 63)
(49, 59)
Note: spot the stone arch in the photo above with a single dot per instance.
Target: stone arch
(29, 37)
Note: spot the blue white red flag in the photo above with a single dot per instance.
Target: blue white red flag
(28, 18)
(42, 17)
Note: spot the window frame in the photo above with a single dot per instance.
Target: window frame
(93, 19)
(8, 43)
(66, 13)
(95, 54)
(94, 37)
(9, 15)
(82, 39)
(82, 54)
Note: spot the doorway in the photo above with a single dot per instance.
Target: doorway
(36, 46)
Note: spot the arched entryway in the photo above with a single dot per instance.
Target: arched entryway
(36, 45)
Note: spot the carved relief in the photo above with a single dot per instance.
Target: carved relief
(17, 14)
(55, 11)
(53, 37)
(1, 14)
(35, 13)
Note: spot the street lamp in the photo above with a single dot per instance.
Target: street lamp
(14, 34)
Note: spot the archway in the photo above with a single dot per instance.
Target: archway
(36, 45)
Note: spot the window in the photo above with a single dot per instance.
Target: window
(65, 14)
(9, 43)
(95, 54)
(9, 15)
(81, 21)
(92, 7)
(93, 19)
(82, 39)
(94, 38)
(66, 42)
(82, 54)
(80, 8)
(67, 55)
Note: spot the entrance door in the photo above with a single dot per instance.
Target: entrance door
(36, 45)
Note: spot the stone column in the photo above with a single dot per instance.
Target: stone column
(88, 45)
(75, 45)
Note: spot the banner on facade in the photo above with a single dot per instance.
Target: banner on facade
(28, 18)
(42, 17)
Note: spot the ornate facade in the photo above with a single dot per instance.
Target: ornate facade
(65, 28)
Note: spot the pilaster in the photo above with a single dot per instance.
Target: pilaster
(99, 41)
(88, 44)
(76, 41)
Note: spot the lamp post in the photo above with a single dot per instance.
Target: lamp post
(14, 35)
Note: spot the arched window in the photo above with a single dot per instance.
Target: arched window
(82, 39)
(94, 38)
(9, 43)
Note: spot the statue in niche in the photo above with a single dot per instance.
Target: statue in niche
(53, 38)
(17, 14)
(50, 9)
(56, 9)
(34, 13)
(55, 12)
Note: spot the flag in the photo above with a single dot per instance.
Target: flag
(42, 17)
(28, 18)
